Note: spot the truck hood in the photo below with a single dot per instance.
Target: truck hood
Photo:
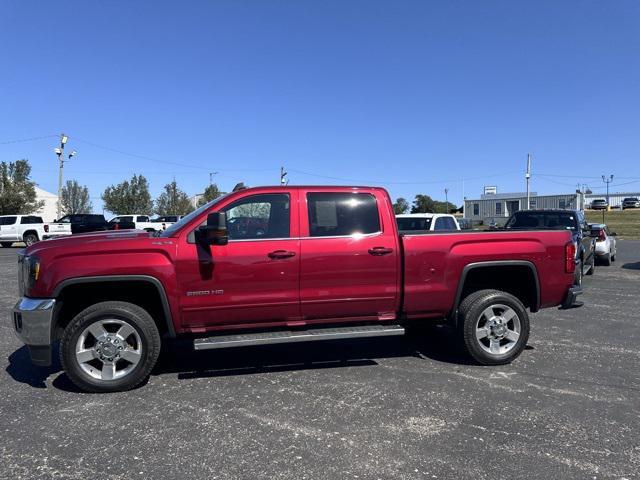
(89, 241)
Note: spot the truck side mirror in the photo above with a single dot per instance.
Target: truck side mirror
(215, 231)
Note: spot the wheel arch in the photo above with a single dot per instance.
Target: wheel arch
(520, 288)
(152, 297)
(31, 230)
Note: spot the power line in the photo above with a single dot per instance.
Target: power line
(168, 162)
(387, 182)
(31, 139)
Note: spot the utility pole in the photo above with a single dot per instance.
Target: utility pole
(283, 174)
(211, 174)
(60, 153)
(527, 176)
(607, 181)
(446, 200)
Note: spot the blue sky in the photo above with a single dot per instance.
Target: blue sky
(411, 95)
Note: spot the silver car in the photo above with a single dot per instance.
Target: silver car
(605, 243)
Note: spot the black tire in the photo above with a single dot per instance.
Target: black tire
(6, 244)
(30, 238)
(592, 267)
(132, 315)
(470, 313)
(579, 275)
(606, 259)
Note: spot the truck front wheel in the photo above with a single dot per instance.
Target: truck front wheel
(494, 326)
(109, 347)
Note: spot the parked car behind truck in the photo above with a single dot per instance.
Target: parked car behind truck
(137, 222)
(328, 263)
(571, 220)
(426, 222)
(77, 223)
(27, 229)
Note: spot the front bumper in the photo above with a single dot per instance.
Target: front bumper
(571, 300)
(33, 323)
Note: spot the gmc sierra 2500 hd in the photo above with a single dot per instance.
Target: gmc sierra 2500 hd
(280, 264)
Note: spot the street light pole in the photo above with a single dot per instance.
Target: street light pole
(446, 200)
(60, 153)
(607, 181)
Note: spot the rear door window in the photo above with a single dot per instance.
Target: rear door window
(342, 214)
(8, 220)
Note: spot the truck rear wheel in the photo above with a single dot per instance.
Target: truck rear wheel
(494, 326)
(109, 347)
(30, 238)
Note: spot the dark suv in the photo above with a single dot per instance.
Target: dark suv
(85, 222)
(572, 220)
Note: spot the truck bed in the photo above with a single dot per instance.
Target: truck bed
(435, 264)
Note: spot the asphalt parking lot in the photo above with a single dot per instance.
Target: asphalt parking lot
(400, 408)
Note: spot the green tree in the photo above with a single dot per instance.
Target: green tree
(75, 198)
(130, 196)
(17, 190)
(173, 201)
(423, 204)
(443, 207)
(210, 193)
(401, 206)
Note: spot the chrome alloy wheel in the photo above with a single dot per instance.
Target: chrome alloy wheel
(498, 329)
(108, 349)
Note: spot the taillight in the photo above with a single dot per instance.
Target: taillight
(601, 236)
(46, 228)
(117, 226)
(570, 257)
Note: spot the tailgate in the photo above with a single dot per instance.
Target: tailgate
(59, 227)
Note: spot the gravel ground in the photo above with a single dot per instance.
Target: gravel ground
(401, 408)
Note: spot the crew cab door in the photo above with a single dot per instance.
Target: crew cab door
(350, 257)
(254, 279)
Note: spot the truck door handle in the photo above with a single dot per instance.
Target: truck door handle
(281, 254)
(378, 251)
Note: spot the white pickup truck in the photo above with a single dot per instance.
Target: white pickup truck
(135, 221)
(426, 222)
(24, 228)
(165, 221)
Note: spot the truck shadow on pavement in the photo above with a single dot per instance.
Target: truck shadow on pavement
(179, 358)
(632, 266)
(188, 364)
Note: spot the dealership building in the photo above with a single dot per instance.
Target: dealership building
(497, 207)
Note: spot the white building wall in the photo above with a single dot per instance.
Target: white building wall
(49, 211)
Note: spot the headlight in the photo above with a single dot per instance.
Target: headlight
(28, 273)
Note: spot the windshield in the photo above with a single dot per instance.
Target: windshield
(414, 223)
(539, 220)
(187, 218)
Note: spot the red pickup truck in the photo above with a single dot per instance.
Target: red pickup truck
(325, 263)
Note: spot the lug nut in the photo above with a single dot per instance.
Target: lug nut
(120, 347)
